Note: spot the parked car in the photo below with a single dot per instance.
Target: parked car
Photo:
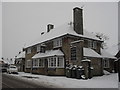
(12, 69)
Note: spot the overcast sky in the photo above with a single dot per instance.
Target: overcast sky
(23, 22)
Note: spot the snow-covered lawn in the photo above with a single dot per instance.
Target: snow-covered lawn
(106, 81)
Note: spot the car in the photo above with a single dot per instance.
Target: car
(12, 69)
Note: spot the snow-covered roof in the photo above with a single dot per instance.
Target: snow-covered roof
(6, 61)
(60, 31)
(48, 54)
(88, 52)
(1, 60)
(113, 50)
(21, 55)
(106, 54)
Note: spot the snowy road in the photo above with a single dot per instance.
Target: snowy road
(12, 82)
(106, 81)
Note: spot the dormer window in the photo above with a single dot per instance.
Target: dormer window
(57, 43)
(28, 50)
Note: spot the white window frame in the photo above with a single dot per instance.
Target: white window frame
(106, 63)
(57, 43)
(73, 53)
(38, 48)
(54, 60)
(28, 50)
(35, 63)
(61, 62)
(28, 63)
(42, 60)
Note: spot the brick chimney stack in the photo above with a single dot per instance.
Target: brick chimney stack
(78, 20)
(49, 27)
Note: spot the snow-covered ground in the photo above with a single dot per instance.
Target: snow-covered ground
(119, 85)
(106, 81)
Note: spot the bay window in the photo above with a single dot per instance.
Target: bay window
(38, 63)
(60, 62)
(41, 62)
(35, 62)
(56, 62)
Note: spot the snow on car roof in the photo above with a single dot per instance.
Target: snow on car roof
(60, 31)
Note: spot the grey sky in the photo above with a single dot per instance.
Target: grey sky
(23, 22)
(1, 28)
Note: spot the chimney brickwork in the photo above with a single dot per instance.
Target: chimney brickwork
(78, 20)
(49, 27)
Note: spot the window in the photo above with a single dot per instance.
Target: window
(28, 50)
(52, 62)
(29, 64)
(42, 49)
(38, 48)
(90, 45)
(57, 43)
(60, 62)
(73, 53)
(106, 63)
(35, 62)
(56, 62)
(94, 44)
(41, 62)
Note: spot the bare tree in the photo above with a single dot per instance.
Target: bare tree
(102, 37)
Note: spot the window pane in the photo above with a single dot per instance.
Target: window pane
(28, 50)
(38, 48)
(57, 42)
(73, 53)
(60, 62)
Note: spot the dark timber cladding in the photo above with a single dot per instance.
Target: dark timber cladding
(78, 20)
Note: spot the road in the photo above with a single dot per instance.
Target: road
(15, 83)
